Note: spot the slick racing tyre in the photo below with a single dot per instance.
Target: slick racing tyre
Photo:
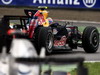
(44, 38)
(90, 39)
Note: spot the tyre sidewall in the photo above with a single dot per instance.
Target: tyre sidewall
(87, 38)
(43, 34)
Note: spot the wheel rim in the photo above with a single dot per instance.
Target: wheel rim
(49, 43)
(94, 39)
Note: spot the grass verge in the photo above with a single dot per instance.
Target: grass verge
(81, 28)
(93, 68)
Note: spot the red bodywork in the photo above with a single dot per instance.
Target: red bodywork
(35, 22)
(60, 42)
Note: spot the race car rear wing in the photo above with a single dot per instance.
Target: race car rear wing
(14, 17)
(5, 26)
(32, 11)
(5, 22)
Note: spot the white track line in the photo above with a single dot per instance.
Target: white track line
(91, 61)
(78, 21)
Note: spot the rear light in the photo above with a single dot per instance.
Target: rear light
(10, 31)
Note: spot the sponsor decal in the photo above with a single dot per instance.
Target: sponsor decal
(58, 2)
(6, 1)
(89, 3)
(60, 42)
(55, 31)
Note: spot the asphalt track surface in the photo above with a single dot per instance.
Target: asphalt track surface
(77, 53)
(80, 51)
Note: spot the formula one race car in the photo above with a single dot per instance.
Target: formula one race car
(43, 32)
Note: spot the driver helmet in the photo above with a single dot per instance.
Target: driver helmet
(42, 7)
(30, 13)
(50, 20)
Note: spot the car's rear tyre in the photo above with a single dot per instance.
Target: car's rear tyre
(44, 38)
(90, 39)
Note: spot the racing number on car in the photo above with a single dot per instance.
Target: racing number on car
(60, 42)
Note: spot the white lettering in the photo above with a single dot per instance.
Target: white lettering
(70, 2)
(49, 1)
(40, 1)
(60, 2)
(34, 1)
(66, 2)
(89, 3)
(54, 2)
(76, 2)
(86, 1)
(6, 2)
(44, 1)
